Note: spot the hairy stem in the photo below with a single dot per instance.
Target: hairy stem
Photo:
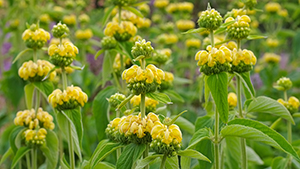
(163, 162)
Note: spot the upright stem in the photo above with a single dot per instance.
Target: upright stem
(242, 140)
(64, 78)
(120, 11)
(163, 162)
(143, 111)
(217, 158)
(289, 135)
(37, 100)
(34, 158)
(28, 161)
(34, 56)
(212, 40)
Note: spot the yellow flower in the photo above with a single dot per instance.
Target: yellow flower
(245, 55)
(271, 58)
(122, 32)
(272, 7)
(232, 99)
(283, 12)
(36, 71)
(214, 55)
(44, 18)
(67, 49)
(70, 98)
(294, 102)
(167, 38)
(45, 119)
(185, 6)
(84, 34)
(70, 20)
(193, 43)
(161, 3)
(281, 101)
(184, 25)
(167, 134)
(169, 77)
(23, 118)
(273, 43)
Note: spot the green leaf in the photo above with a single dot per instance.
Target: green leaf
(252, 37)
(218, 86)
(224, 25)
(161, 97)
(107, 14)
(14, 137)
(28, 89)
(233, 152)
(21, 54)
(140, 3)
(247, 84)
(193, 154)
(103, 152)
(20, 153)
(172, 163)
(263, 104)
(64, 121)
(253, 157)
(279, 163)
(105, 165)
(45, 87)
(174, 95)
(131, 153)
(257, 131)
(185, 124)
(63, 163)
(50, 149)
(8, 153)
(107, 67)
(185, 162)
(220, 30)
(220, 43)
(99, 53)
(100, 108)
(133, 10)
(198, 30)
(144, 162)
(199, 135)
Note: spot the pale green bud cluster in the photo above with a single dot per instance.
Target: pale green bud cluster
(162, 148)
(116, 99)
(108, 42)
(60, 30)
(210, 19)
(284, 83)
(142, 48)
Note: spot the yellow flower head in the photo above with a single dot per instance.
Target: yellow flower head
(70, 98)
(149, 103)
(144, 8)
(168, 38)
(122, 32)
(185, 7)
(245, 56)
(45, 18)
(67, 49)
(271, 58)
(213, 55)
(36, 71)
(24, 118)
(35, 136)
(283, 12)
(232, 100)
(193, 43)
(35, 37)
(231, 45)
(161, 3)
(294, 102)
(272, 43)
(70, 20)
(184, 25)
(84, 18)
(240, 28)
(272, 7)
(84, 34)
(172, 8)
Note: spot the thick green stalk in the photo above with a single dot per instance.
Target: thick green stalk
(34, 158)
(28, 161)
(163, 162)
(64, 79)
(34, 56)
(242, 140)
(216, 142)
(212, 40)
(120, 17)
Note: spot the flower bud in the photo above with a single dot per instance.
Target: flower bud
(84, 34)
(272, 7)
(142, 48)
(108, 42)
(63, 54)
(284, 84)
(69, 20)
(122, 32)
(116, 99)
(184, 25)
(161, 3)
(84, 18)
(240, 29)
(210, 19)
(35, 37)
(60, 30)
(271, 58)
(232, 100)
(193, 43)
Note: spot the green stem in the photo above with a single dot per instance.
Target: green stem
(145, 155)
(212, 40)
(142, 105)
(28, 161)
(71, 148)
(117, 81)
(242, 140)
(34, 56)
(120, 17)
(34, 158)
(289, 135)
(37, 100)
(163, 162)
(64, 78)
(216, 154)
(238, 44)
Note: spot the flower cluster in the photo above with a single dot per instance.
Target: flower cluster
(240, 29)
(122, 32)
(161, 3)
(35, 37)
(143, 81)
(167, 83)
(210, 19)
(84, 34)
(184, 25)
(116, 99)
(150, 104)
(184, 7)
(167, 39)
(271, 58)
(36, 124)
(292, 104)
(166, 138)
(242, 60)
(193, 43)
(284, 84)
(162, 56)
(131, 128)
(70, 98)
(133, 18)
(272, 7)
(214, 61)
(70, 20)
(272, 43)
(232, 100)
(63, 54)
(60, 30)
(142, 48)
(108, 42)
(36, 71)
